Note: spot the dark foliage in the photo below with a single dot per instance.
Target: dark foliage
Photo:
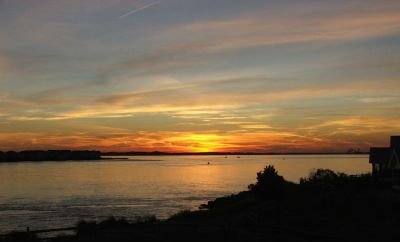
(269, 184)
(325, 180)
(87, 227)
(20, 237)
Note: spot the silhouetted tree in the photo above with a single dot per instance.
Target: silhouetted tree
(269, 184)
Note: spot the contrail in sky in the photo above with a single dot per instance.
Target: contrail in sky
(139, 9)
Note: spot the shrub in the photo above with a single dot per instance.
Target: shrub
(328, 180)
(113, 222)
(269, 184)
(85, 227)
(146, 219)
(320, 176)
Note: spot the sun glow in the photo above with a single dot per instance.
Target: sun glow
(201, 142)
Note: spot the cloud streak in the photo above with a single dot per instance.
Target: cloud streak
(296, 28)
(137, 10)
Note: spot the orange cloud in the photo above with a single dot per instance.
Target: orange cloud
(207, 141)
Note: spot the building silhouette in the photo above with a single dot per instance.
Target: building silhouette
(385, 162)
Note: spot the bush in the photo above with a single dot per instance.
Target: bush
(146, 219)
(85, 227)
(321, 175)
(113, 222)
(269, 184)
(328, 180)
(20, 237)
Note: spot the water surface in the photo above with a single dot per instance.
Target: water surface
(58, 194)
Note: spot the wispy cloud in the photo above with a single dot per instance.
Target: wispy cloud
(296, 27)
(137, 10)
(256, 126)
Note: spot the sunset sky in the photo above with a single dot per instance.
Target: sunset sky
(199, 75)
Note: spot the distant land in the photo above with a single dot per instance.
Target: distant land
(67, 155)
(49, 155)
(160, 153)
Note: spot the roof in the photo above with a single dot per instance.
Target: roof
(379, 155)
(395, 141)
(396, 153)
(394, 162)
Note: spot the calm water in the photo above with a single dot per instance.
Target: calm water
(57, 194)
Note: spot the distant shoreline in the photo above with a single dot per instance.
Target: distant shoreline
(223, 153)
(49, 155)
(82, 155)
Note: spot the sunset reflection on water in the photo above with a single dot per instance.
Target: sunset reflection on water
(57, 194)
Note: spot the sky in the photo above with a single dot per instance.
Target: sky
(199, 75)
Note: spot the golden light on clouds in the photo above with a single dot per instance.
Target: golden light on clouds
(262, 76)
(200, 142)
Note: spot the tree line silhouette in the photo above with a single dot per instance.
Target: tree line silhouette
(49, 155)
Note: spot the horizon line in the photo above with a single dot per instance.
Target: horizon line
(197, 153)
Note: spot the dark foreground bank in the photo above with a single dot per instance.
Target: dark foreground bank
(326, 206)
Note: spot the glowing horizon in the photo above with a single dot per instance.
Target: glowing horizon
(199, 76)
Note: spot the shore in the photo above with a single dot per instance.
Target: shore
(326, 206)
